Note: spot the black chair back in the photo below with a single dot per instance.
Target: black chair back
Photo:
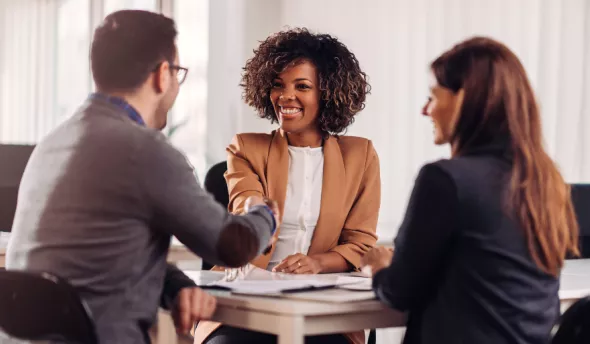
(574, 324)
(40, 306)
(13, 159)
(215, 184)
(581, 201)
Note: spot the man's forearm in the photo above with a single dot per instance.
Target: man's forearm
(174, 281)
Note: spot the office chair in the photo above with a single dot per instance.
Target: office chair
(40, 306)
(215, 184)
(14, 160)
(574, 324)
(581, 201)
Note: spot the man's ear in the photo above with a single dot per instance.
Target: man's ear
(162, 78)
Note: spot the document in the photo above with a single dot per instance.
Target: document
(256, 281)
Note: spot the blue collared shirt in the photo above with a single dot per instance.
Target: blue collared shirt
(120, 102)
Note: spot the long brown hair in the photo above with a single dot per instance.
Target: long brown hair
(499, 102)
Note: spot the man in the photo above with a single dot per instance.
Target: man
(102, 194)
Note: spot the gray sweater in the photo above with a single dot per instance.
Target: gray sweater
(98, 203)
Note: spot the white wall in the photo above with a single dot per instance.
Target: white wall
(234, 31)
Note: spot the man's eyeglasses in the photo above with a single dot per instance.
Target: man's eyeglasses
(181, 72)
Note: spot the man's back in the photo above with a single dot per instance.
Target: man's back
(81, 216)
(95, 203)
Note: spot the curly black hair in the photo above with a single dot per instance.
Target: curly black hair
(343, 85)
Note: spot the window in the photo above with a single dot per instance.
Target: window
(73, 81)
(116, 5)
(44, 72)
(188, 121)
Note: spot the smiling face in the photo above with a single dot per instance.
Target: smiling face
(295, 96)
(443, 108)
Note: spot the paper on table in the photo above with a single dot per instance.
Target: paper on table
(257, 281)
(275, 287)
(355, 283)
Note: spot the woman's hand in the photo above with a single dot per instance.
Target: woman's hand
(257, 200)
(377, 259)
(253, 201)
(299, 264)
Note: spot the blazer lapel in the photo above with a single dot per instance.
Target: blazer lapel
(277, 169)
(277, 175)
(333, 191)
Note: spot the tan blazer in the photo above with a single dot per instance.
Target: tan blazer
(258, 164)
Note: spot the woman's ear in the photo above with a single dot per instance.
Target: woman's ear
(458, 105)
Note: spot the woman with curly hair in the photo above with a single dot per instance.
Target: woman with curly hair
(327, 186)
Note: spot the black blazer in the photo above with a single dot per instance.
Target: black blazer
(461, 265)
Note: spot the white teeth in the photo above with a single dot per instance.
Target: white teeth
(290, 111)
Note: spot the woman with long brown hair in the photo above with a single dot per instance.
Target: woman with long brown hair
(478, 256)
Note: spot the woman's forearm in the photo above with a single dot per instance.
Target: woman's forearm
(332, 262)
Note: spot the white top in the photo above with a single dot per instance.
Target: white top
(302, 205)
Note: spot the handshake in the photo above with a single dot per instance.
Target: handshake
(274, 207)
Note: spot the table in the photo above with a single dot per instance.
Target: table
(575, 282)
(291, 320)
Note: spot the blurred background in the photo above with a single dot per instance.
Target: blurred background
(45, 75)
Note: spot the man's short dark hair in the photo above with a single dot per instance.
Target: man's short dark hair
(128, 46)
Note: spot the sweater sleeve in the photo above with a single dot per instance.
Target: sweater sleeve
(185, 210)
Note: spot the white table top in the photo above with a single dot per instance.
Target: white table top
(575, 279)
(575, 283)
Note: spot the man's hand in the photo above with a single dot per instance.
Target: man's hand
(274, 207)
(192, 305)
(299, 264)
(257, 200)
(377, 259)
(253, 201)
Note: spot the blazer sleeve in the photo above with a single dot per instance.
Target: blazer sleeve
(359, 234)
(242, 181)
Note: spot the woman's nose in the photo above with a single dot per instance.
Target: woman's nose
(287, 96)
(425, 110)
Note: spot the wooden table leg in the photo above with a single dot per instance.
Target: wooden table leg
(166, 331)
(291, 330)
